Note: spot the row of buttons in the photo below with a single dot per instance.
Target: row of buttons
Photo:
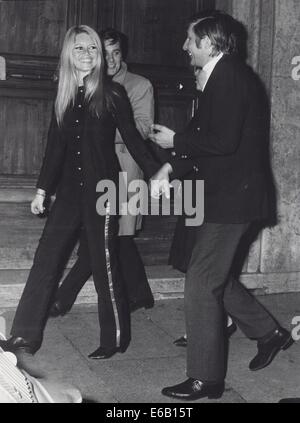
(79, 168)
(173, 153)
(195, 168)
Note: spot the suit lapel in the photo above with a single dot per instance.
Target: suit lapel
(204, 97)
(212, 77)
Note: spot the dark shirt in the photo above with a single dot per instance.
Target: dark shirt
(71, 183)
(74, 176)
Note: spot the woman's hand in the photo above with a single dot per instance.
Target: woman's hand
(37, 204)
(160, 182)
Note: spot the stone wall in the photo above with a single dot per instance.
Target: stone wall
(274, 42)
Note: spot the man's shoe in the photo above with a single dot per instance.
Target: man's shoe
(193, 389)
(103, 353)
(17, 344)
(135, 305)
(280, 339)
(231, 329)
(182, 342)
(57, 309)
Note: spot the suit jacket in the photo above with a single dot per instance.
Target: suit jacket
(225, 145)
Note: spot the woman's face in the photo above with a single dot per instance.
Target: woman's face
(84, 54)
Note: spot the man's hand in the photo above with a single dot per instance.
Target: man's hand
(160, 182)
(37, 204)
(162, 136)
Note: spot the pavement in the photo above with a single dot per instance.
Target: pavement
(152, 361)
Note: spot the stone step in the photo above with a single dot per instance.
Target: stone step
(17, 188)
(165, 283)
(20, 231)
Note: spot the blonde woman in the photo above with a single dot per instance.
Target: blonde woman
(80, 152)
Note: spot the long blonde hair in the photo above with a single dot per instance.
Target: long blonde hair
(68, 84)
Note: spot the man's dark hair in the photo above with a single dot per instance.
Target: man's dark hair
(114, 36)
(220, 28)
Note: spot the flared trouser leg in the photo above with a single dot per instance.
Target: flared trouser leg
(57, 238)
(131, 267)
(133, 271)
(114, 316)
(77, 276)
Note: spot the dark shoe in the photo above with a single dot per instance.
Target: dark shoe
(182, 342)
(17, 344)
(57, 309)
(103, 353)
(193, 389)
(280, 339)
(231, 329)
(135, 305)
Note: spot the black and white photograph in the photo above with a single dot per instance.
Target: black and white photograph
(149, 204)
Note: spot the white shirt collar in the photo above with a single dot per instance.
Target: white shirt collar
(209, 67)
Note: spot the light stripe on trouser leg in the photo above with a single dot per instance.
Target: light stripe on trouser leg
(109, 274)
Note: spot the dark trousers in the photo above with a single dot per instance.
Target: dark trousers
(131, 267)
(61, 230)
(210, 291)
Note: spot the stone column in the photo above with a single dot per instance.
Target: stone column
(258, 17)
(281, 245)
(274, 260)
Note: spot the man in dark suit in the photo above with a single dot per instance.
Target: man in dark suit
(224, 145)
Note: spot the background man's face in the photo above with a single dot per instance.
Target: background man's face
(113, 57)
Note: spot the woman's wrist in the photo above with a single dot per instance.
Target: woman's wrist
(168, 168)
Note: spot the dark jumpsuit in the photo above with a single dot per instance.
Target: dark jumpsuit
(69, 219)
